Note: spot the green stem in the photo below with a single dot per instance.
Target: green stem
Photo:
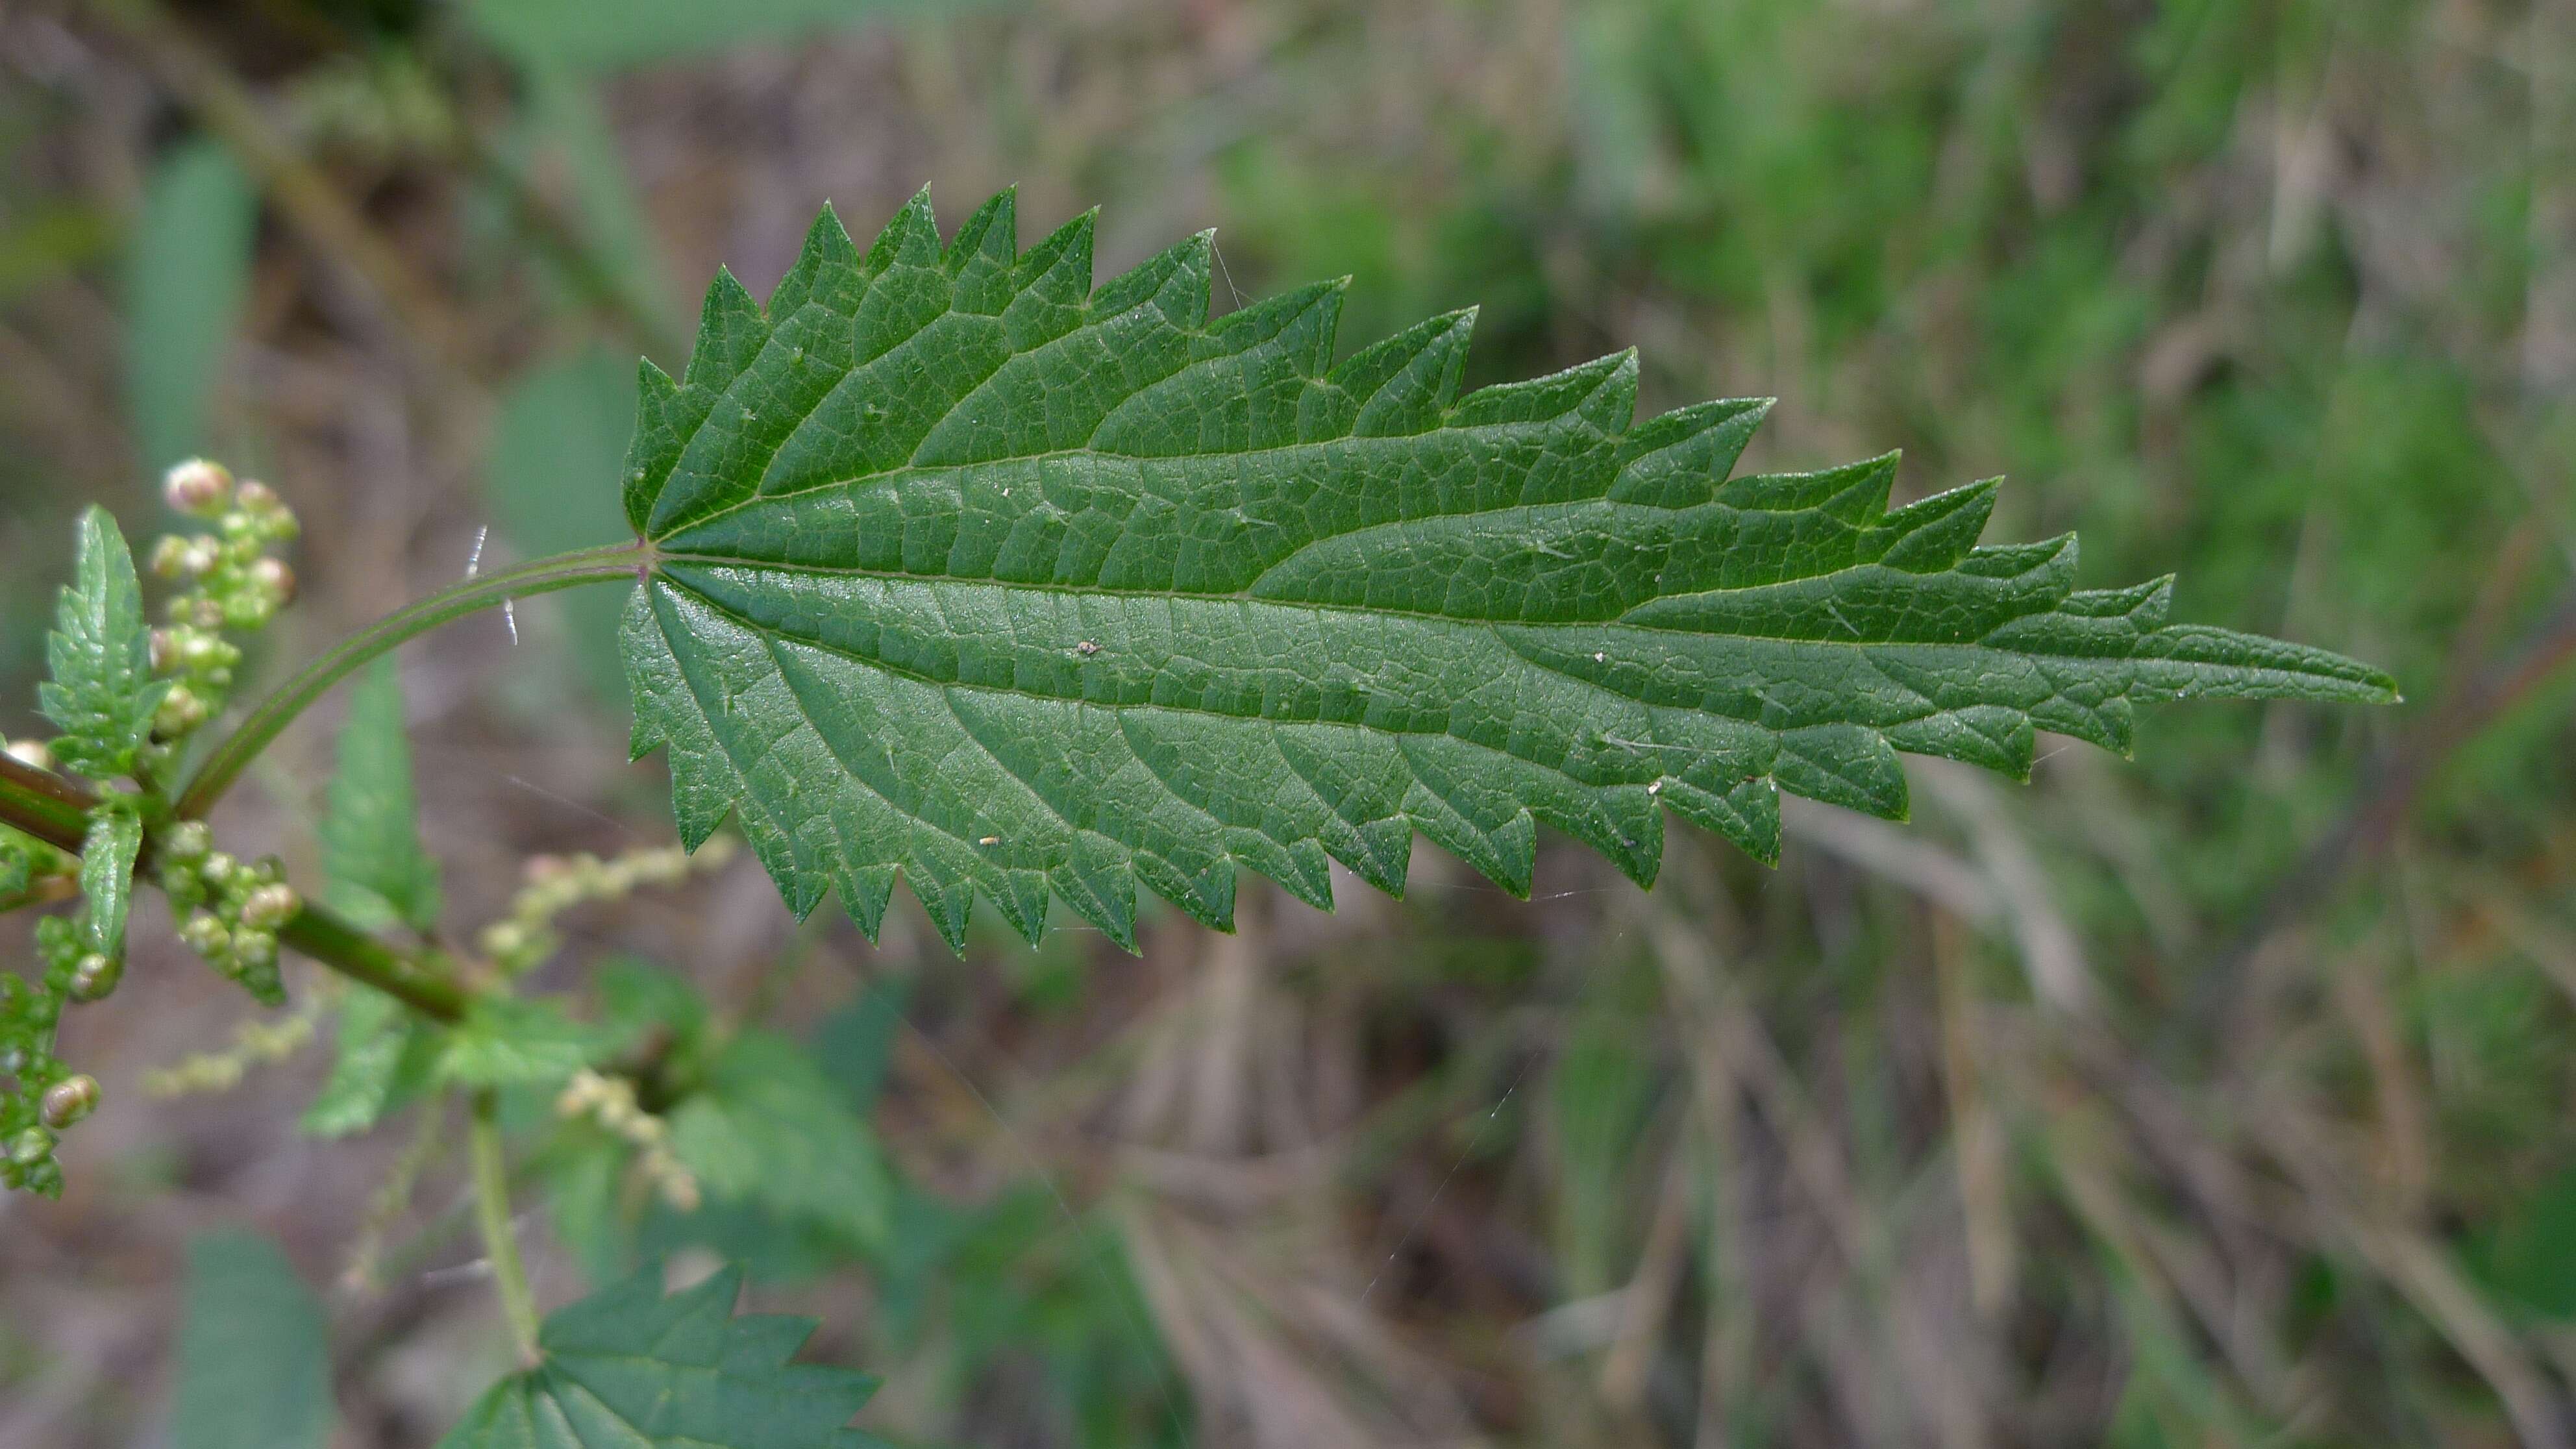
(361, 957)
(54, 810)
(492, 1211)
(43, 804)
(273, 714)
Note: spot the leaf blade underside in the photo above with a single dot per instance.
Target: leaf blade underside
(971, 571)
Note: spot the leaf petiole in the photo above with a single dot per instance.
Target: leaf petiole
(273, 714)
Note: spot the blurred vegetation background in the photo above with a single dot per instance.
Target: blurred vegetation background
(2218, 1097)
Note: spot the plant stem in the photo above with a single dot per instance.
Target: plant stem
(43, 804)
(492, 1211)
(279, 709)
(54, 810)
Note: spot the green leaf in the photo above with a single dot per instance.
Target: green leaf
(628, 1366)
(512, 1041)
(583, 34)
(370, 828)
(970, 571)
(108, 853)
(770, 1128)
(385, 1057)
(102, 693)
(254, 1354)
(187, 278)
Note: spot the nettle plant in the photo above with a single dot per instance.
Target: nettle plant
(953, 567)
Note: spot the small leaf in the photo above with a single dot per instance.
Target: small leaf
(187, 278)
(371, 847)
(102, 693)
(254, 1353)
(108, 853)
(970, 571)
(628, 1366)
(768, 1127)
(512, 1041)
(385, 1057)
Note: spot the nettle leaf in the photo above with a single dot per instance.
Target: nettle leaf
(515, 1041)
(628, 1366)
(102, 693)
(108, 853)
(385, 1057)
(768, 1127)
(971, 571)
(371, 847)
(254, 1351)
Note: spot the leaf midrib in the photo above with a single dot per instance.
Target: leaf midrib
(1366, 611)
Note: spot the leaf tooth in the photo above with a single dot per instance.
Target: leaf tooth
(1843, 764)
(1207, 895)
(1403, 384)
(983, 255)
(1680, 459)
(731, 331)
(1933, 534)
(950, 903)
(2143, 605)
(1097, 880)
(1854, 493)
(1057, 271)
(910, 238)
(864, 892)
(1175, 280)
(1021, 896)
(1988, 736)
(655, 448)
(827, 271)
(1746, 813)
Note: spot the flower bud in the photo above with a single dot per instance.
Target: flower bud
(270, 907)
(166, 651)
(31, 1146)
(219, 867)
(68, 1101)
(205, 934)
(254, 949)
(31, 753)
(181, 711)
(96, 976)
(197, 487)
(188, 840)
(170, 556)
(274, 579)
(256, 497)
(248, 610)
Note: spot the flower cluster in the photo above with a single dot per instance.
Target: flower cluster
(610, 1101)
(229, 911)
(522, 940)
(48, 1096)
(236, 583)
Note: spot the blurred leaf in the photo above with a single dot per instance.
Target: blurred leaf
(637, 998)
(254, 1353)
(188, 274)
(102, 693)
(514, 1041)
(628, 1366)
(855, 1044)
(107, 873)
(2528, 1255)
(770, 1128)
(371, 829)
(585, 34)
(558, 443)
(383, 1060)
